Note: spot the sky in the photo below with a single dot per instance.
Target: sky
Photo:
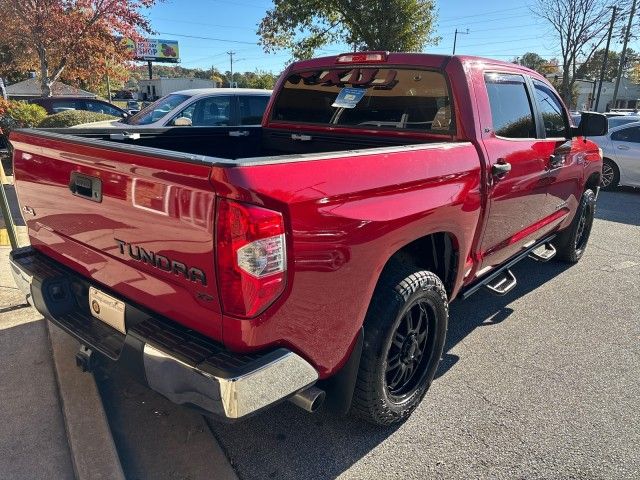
(207, 29)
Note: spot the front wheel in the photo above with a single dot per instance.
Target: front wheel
(572, 242)
(404, 335)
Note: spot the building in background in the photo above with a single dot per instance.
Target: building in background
(628, 95)
(159, 87)
(30, 88)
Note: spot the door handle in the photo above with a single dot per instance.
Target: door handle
(500, 169)
(556, 161)
(623, 147)
(239, 133)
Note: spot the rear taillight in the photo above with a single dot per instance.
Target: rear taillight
(252, 257)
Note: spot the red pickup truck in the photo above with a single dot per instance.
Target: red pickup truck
(314, 256)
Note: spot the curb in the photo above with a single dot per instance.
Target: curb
(93, 451)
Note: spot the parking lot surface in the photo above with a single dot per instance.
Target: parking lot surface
(540, 383)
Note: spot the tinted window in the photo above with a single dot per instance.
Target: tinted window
(101, 107)
(61, 105)
(157, 109)
(631, 134)
(208, 112)
(252, 108)
(510, 106)
(551, 110)
(386, 98)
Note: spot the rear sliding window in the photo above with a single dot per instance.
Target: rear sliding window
(388, 98)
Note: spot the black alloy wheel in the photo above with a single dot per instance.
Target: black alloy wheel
(410, 349)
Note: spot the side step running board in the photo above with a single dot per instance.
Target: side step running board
(543, 253)
(503, 283)
(498, 275)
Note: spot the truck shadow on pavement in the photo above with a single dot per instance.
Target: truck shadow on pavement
(286, 442)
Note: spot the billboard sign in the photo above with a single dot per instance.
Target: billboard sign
(154, 49)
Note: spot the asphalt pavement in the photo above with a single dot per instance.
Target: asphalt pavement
(540, 383)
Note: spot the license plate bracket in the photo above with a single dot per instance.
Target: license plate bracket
(106, 308)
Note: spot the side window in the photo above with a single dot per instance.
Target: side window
(63, 105)
(102, 108)
(552, 111)
(510, 106)
(631, 134)
(208, 112)
(252, 108)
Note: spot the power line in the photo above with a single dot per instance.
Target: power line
(456, 17)
(208, 38)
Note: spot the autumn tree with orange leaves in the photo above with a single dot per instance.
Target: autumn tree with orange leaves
(69, 39)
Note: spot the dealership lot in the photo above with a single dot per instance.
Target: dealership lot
(541, 383)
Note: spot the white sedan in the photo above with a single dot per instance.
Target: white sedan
(201, 107)
(621, 151)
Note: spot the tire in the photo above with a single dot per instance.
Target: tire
(572, 242)
(610, 175)
(407, 324)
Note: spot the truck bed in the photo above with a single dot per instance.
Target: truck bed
(234, 143)
(162, 203)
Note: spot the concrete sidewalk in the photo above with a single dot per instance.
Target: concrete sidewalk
(33, 440)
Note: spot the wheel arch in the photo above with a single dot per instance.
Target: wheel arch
(437, 252)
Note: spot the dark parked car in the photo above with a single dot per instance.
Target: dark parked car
(61, 104)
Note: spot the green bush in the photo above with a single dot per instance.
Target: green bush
(70, 118)
(14, 114)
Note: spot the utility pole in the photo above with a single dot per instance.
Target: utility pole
(455, 38)
(231, 54)
(623, 56)
(606, 55)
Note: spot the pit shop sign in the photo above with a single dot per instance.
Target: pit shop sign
(155, 50)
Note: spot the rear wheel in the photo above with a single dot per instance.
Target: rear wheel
(610, 175)
(404, 331)
(572, 242)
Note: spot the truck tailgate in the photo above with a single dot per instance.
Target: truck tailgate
(138, 224)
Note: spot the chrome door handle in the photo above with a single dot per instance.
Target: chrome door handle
(623, 147)
(239, 133)
(500, 169)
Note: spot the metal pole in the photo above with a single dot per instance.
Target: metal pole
(150, 66)
(593, 95)
(623, 56)
(455, 38)
(6, 212)
(606, 55)
(231, 54)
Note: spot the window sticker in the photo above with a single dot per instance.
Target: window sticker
(348, 97)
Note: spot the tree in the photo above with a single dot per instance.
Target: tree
(531, 60)
(304, 26)
(74, 37)
(580, 27)
(591, 68)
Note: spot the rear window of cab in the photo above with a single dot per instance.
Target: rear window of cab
(380, 98)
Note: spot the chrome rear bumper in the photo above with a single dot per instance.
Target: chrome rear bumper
(188, 368)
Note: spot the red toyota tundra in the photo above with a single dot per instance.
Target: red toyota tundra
(312, 258)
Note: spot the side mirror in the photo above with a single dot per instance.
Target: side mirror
(591, 125)
(182, 122)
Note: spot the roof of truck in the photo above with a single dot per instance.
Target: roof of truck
(402, 58)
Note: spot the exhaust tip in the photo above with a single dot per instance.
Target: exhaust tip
(309, 399)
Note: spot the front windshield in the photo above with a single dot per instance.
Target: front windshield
(157, 109)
